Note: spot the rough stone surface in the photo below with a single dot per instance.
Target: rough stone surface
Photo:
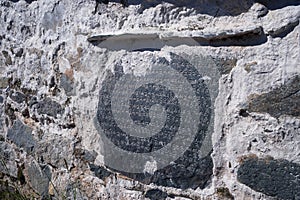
(71, 127)
(284, 100)
(156, 194)
(21, 135)
(39, 177)
(7, 159)
(279, 178)
(49, 107)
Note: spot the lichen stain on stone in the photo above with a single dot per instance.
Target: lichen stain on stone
(284, 100)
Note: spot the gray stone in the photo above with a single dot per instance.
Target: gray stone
(8, 164)
(39, 177)
(284, 100)
(67, 85)
(58, 152)
(20, 134)
(53, 19)
(49, 107)
(278, 178)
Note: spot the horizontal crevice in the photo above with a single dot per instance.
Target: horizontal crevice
(154, 42)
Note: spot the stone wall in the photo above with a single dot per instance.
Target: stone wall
(190, 99)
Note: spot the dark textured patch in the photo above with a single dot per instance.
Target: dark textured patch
(284, 100)
(140, 104)
(190, 170)
(100, 171)
(67, 85)
(275, 4)
(251, 38)
(277, 178)
(10, 112)
(20, 175)
(225, 65)
(1, 99)
(18, 97)
(8, 192)
(19, 52)
(156, 194)
(49, 107)
(8, 60)
(224, 193)
(243, 113)
(27, 1)
(20, 134)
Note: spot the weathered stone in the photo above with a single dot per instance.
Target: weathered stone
(284, 100)
(278, 178)
(49, 107)
(39, 177)
(7, 159)
(57, 152)
(21, 135)
(156, 194)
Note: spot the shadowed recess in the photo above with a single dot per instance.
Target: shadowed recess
(276, 4)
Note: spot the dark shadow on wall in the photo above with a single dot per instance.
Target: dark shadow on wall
(277, 4)
(27, 1)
